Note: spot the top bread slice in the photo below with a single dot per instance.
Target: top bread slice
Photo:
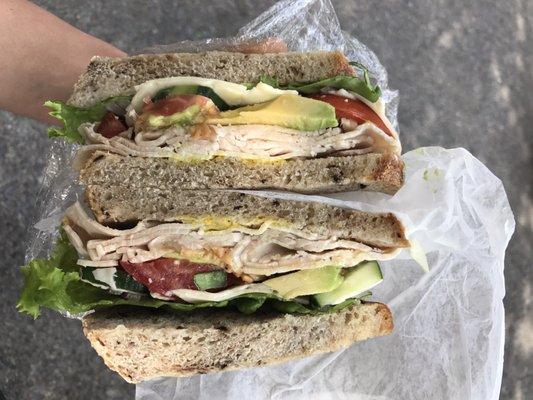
(107, 77)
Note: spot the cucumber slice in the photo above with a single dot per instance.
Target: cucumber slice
(112, 278)
(184, 89)
(208, 92)
(359, 279)
(193, 89)
(210, 280)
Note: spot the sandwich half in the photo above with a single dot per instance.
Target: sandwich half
(238, 280)
(305, 122)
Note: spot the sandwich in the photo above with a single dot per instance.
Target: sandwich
(173, 274)
(175, 283)
(304, 122)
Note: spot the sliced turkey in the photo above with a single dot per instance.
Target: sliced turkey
(243, 141)
(250, 253)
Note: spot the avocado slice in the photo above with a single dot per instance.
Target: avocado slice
(288, 110)
(364, 276)
(306, 282)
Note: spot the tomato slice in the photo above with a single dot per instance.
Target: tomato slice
(111, 125)
(352, 109)
(166, 274)
(174, 104)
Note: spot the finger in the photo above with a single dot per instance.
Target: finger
(269, 45)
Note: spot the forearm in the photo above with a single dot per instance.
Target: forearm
(41, 57)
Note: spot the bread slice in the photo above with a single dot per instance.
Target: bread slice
(377, 172)
(134, 201)
(144, 344)
(107, 77)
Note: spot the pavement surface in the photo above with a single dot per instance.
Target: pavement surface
(464, 71)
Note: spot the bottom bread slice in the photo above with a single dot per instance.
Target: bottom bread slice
(142, 344)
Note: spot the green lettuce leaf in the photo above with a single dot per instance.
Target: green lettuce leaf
(250, 303)
(269, 80)
(362, 87)
(55, 283)
(72, 117)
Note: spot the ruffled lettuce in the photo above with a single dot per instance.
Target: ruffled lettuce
(55, 283)
(72, 117)
(361, 86)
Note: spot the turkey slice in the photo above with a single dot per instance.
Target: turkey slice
(267, 142)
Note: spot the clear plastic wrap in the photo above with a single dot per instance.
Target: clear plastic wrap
(449, 322)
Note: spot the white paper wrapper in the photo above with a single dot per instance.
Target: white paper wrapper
(449, 334)
(449, 323)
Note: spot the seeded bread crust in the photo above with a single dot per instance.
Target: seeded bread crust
(107, 77)
(121, 204)
(144, 344)
(375, 172)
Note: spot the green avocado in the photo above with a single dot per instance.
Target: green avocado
(306, 282)
(364, 276)
(186, 117)
(288, 110)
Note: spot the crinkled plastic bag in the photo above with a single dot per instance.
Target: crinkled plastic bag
(449, 322)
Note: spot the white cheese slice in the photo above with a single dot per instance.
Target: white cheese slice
(197, 296)
(418, 255)
(106, 275)
(233, 94)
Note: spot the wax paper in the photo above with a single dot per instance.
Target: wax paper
(449, 322)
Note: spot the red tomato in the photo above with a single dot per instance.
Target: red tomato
(174, 104)
(111, 125)
(166, 274)
(352, 109)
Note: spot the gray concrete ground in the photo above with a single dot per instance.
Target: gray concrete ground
(464, 70)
